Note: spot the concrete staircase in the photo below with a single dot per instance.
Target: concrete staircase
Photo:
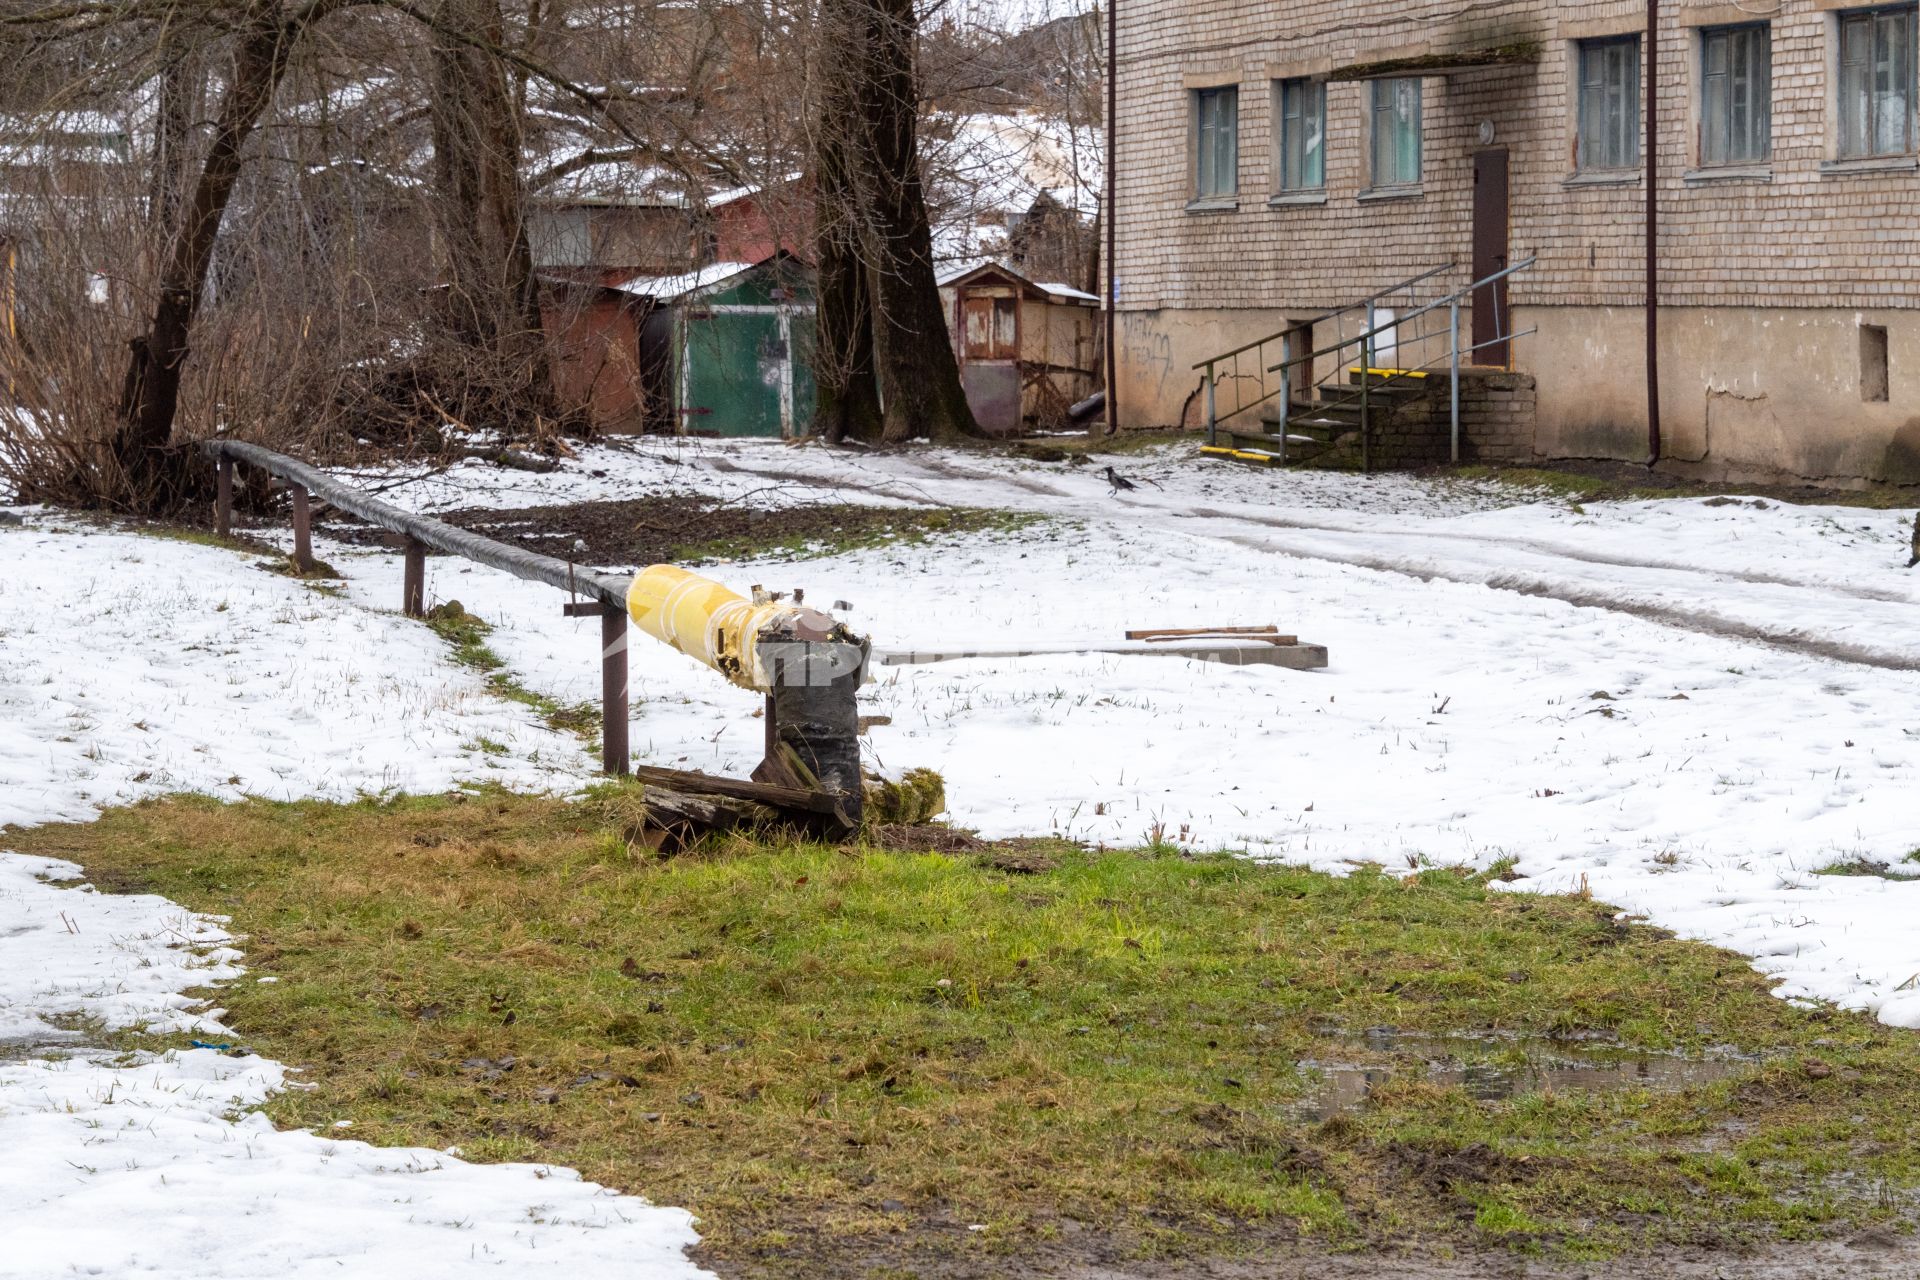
(1389, 397)
(1324, 423)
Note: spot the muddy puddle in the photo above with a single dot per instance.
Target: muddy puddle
(1494, 1070)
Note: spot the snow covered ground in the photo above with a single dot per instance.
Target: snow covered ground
(1689, 708)
(131, 666)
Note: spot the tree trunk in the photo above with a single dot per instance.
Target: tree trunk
(493, 299)
(848, 400)
(181, 85)
(150, 396)
(879, 300)
(919, 377)
(466, 310)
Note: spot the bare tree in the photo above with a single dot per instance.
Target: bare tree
(329, 222)
(263, 42)
(492, 303)
(873, 216)
(844, 374)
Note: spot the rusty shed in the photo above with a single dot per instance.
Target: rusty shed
(1027, 350)
(594, 335)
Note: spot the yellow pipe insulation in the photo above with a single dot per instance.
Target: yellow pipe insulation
(717, 626)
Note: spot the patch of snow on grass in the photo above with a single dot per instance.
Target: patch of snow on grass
(131, 666)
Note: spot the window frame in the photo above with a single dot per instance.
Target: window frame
(1291, 154)
(1721, 139)
(1377, 109)
(1209, 136)
(1627, 134)
(1877, 19)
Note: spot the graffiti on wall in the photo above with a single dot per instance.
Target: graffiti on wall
(1146, 350)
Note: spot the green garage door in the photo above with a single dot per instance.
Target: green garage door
(735, 373)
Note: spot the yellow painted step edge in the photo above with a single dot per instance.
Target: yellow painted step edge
(1389, 373)
(1240, 455)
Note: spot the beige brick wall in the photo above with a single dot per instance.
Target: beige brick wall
(1803, 236)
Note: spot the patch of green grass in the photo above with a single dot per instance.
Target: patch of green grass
(788, 1039)
(1082, 448)
(199, 537)
(1119, 444)
(1571, 485)
(860, 529)
(1614, 485)
(319, 576)
(1866, 867)
(1497, 1217)
(466, 634)
(323, 577)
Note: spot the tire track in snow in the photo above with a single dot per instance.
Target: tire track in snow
(805, 480)
(1701, 621)
(1562, 551)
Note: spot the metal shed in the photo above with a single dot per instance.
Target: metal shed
(728, 349)
(1026, 349)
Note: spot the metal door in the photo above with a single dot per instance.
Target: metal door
(1491, 323)
(990, 358)
(733, 371)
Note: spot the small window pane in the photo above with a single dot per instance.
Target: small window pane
(1894, 111)
(1875, 93)
(1303, 126)
(1396, 132)
(1216, 142)
(1607, 133)
(1736, 125)
(1006, 328)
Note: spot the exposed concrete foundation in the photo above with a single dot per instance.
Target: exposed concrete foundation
(1746, 393)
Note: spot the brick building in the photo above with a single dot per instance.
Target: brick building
(1280, 158)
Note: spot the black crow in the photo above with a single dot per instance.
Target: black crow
(1117, 483)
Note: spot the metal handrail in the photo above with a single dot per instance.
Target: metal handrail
(1408, 283)
(605, 595)
(1214, 373)
(1398, 321)
(521, 563)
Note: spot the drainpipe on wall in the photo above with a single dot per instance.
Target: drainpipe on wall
(1653, 232)
(1111, 210)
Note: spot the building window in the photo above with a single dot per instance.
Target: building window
(1303, 135)
(1736, 94)
(1876, 83)
(1216, 142)
(1609, 106)
(1396, 132)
